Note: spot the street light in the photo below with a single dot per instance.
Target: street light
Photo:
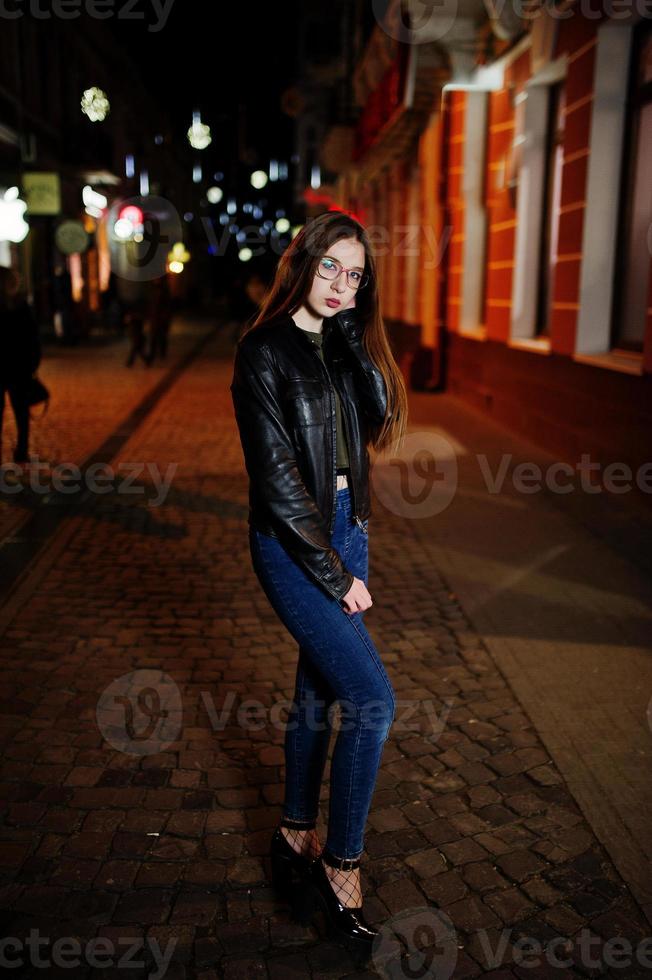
(258, 179)
(13, 227)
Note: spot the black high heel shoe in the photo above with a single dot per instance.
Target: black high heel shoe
(289, 868)
(348, 924)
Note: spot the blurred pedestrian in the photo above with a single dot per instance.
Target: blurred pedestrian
(112, 305)
(159, 318)
(133, 296)
(63, 305)
(20, 356)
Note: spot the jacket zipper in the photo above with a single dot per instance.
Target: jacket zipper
(331, 398)
(333, 434)
(333, 442)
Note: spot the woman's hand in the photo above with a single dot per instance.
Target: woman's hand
(357, 599)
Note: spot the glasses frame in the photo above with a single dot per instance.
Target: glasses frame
(363, 282)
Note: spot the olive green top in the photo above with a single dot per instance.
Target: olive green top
(342, 454)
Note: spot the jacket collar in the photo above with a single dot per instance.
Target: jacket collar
(343, 316)
(327, 331)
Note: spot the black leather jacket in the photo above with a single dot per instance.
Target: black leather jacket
(285, 409)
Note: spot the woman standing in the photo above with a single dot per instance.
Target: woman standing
(20, 356)
(315, 384)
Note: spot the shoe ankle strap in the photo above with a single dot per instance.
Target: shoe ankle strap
(342, 864)
(298, 824)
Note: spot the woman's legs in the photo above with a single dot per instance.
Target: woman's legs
(307, 737)
(18, 399)
(339, 662)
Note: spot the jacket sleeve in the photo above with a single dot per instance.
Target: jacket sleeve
(371, 387)
(271, 464)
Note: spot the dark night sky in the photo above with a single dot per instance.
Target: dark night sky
(212, 55)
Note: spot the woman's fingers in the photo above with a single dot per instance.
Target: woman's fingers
(357, 599)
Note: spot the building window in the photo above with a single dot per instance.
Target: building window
(474, 256)
(633, 272)
(535, 241)
(554, 162)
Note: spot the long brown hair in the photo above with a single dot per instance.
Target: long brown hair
(292, 284)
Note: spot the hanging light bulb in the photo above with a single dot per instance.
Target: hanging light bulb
(199, 134)
(95, 104)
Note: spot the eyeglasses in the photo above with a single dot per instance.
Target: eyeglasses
(329, 268)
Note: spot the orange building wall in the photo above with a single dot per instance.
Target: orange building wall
(501, 215)
(577, 39)
(565, 406)
(454, 169)
(433, 260)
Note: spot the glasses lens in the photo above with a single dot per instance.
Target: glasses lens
(356, 280)
(328, 269)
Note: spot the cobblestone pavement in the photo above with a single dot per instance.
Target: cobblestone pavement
(91, 393)
(105, 833)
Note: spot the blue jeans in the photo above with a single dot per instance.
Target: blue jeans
(338, 662)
